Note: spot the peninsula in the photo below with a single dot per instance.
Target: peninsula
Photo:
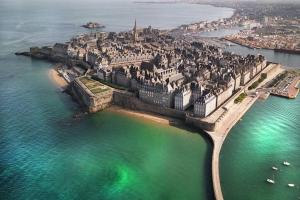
(149, 70)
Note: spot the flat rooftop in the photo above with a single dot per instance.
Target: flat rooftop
(94, 86)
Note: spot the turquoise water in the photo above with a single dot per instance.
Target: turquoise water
(46, 154)
(268, 135)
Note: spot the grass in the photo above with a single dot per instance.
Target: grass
(99, 90)
(109, 84)
(256, 83)
(94, 86)
(240, 98)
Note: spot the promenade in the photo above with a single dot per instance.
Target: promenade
(233, 115)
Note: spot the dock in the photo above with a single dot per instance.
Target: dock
(287, 88)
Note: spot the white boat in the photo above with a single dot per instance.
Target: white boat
(286, 163)
(270, 181)
(274, 168)
(291, 185)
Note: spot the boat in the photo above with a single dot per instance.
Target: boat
(286, 163)
(270, 181)
(274, 168)
(291, 185)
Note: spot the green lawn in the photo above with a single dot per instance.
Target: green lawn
(240, 98)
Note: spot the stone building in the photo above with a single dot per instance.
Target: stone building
(104, 73)
(205, 105)
(245, 78)
(224, 94)
(159, 94)
(183, 99)
(121, 76)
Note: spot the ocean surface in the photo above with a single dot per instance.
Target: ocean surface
(46, 154)
(268, 135)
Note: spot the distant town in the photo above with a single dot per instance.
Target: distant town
(264, 25)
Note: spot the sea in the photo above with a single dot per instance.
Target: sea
(46, 153)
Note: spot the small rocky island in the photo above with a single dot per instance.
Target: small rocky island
(93, 25)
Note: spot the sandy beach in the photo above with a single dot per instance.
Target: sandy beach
(145, 116)
(57, 79)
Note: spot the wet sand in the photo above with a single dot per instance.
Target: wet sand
(146, 116)
(57, 79)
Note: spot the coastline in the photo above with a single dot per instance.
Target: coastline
(287, 51)
(145, 116)
(235, 114)
(56, 79)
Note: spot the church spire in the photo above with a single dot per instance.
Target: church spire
(135, 35)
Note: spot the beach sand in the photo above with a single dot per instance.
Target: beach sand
(146, 116)
(57, 79)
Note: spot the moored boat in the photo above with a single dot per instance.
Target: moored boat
(270, 181)
(286, 163)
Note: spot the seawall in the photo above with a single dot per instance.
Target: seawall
(84, 96)
(130, 101)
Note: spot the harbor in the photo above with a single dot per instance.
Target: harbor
(288, 87)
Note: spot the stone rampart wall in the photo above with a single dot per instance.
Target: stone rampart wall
(130, 101)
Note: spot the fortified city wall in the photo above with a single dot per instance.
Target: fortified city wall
(85, 97)
(130, 101)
